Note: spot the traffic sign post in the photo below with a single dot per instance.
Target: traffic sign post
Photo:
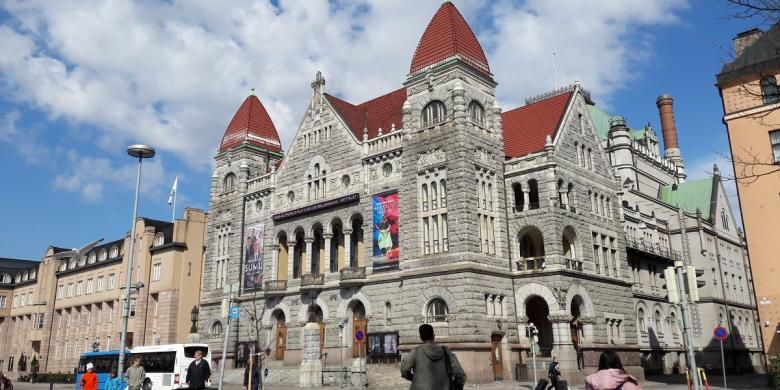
(721, 334)
(359, 335)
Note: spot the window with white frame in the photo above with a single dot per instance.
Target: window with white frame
(640, 318)
(90, 285)
(774, 140)
(486, 211)
(433, 215)
(103, 254)
(3, 301)
(435, 112)
(70, 290)
(605, 254)
(111, 281)
(38, 320)
(216, 329)
(79, 287)
(99, 283)
(229, 182)
(114, 252)
(60, 292)
(476, 113)
(437, 310)
(770, 92)
(222, 262)
(159, 239)
(30, 296)
(156, 270)
(316, 182)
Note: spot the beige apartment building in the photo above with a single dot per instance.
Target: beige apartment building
(751, 97)
(54, 309)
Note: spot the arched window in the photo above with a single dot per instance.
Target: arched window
(433, 113)
(91, 258)
(658, 328)
(434, 196)
(72, 264)
(673, 323)
(33, 273)
(216, 329)
(103, 254)
(6, 278)
(83, 260)
(114, 252)
(291, 197)
(316, 170)
(159, 239)
(724, 220)
(533, 194)
(387, 169)
(18, 278)
(769, 90)
(443, 193)
(477, 113)
(229, 183)
(425, 197)
(25, 276)
(640, 318)
(437, 310)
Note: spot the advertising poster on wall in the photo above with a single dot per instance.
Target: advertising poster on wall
(385, 231)
(253, 256)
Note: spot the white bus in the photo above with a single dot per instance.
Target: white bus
(166, 365)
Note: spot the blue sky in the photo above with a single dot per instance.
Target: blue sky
(79, 82)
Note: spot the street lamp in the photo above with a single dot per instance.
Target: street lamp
(194, 319)
(140, 152)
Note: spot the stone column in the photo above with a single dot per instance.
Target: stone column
(306, 260)
(562, 345)
(526, 200)
(274, 261)
(347, 247)
(290, 259)
(325, 264)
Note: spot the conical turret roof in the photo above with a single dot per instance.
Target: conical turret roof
(253, 125)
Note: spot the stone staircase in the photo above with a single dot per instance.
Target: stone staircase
(383, 375)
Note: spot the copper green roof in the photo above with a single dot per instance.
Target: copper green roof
(691, 195)
(601, 119)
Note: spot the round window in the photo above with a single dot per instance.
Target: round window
(291, 196)
(259, 205)
(387, 169)
(345, 181)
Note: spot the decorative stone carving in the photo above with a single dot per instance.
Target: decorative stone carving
(560, 318)
(522, 319)
(560, 295)
(587, 320)
(430, 158)
(226, 216)
(484, 158)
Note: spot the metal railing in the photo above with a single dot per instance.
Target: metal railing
(652, 248)
(352, 273)
(275, 285)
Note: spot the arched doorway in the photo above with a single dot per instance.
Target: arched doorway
(536, 310)
(314, 314)
(575, 328)
(280, 332)
(359, 323)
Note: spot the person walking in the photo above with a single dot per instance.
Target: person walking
(431, 366)
(135, 375)
(554, 373)
(611, 375)
(114, 382)
(253, 380)
(5, 383)
(198, 372)
(89, 380)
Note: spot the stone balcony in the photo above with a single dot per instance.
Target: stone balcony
(573, 264)
(652, 248)
(531, 264)
(352, 276)
(275, 287)
(311, 282)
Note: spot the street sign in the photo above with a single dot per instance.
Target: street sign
(720, 333)
(235, 312)
(359, 335)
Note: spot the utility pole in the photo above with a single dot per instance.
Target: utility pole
(679, 267)
(229, 289)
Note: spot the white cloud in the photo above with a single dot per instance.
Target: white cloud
(172, 74)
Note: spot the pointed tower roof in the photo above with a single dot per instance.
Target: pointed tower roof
(449, 36)
(253, 125)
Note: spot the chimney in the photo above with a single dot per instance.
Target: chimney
(665, 105)
(745, 39)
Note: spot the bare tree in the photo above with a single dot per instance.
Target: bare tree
(767, 10)
(749, 167)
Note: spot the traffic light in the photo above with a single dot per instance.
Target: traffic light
(693, 283)
(671, 285)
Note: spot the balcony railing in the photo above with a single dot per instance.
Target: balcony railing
(531, 264)
(352, 273)
(275, 285)
(652, 248)
(573, 264)
(311, 280)
(525, 207)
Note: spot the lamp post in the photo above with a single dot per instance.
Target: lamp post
(194, 319)
(140, 152)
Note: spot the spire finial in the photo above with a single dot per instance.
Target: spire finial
(252, 92)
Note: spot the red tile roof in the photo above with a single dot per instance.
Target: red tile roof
(447, 36)
(253, 125)
(383, 111)
(526, 128)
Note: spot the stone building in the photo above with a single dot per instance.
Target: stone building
(56, 309)
(429, 204)
(750, 94)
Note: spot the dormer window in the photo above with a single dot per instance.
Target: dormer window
(25, 276)
(32, 274)
(114, 252)
(435, 112)
(477, 114)
(159, 239)
(83, 259)
(229, 183)
(103, 254)
(769, 90)
(92, 258)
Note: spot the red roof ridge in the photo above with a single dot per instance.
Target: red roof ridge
(384, 111)
(448, 35)
(251, 124)
(527, 127)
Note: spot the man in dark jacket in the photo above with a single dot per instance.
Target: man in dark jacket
(198, 372)
(426, 365)
(252, 381)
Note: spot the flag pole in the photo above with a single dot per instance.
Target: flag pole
(173, 217)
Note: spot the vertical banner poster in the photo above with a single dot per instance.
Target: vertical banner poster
(253, 256)
(385, 231)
